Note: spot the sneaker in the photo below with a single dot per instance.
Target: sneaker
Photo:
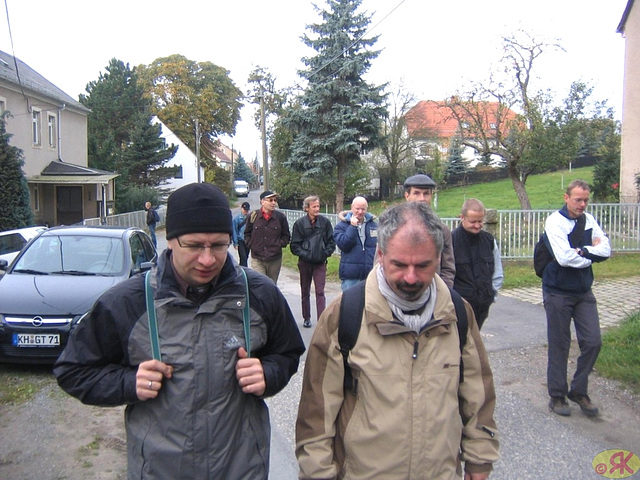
(559, 406)
(589, 409)
(307, 323)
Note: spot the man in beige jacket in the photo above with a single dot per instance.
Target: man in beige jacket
(414, 416)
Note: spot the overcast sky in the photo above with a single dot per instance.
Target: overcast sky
(434, 47)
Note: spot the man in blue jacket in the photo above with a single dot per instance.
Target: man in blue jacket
(238, 224)
(566, 291)
(356, 235)
(198, 410)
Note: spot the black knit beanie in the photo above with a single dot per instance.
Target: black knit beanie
(198, 208)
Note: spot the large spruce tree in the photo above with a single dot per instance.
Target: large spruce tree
(339, 114)
(15, 208)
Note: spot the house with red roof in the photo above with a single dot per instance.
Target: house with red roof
(433, 124)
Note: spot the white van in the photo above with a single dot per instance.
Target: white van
(241, 188)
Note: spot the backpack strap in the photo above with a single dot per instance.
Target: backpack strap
(153, 321)
(463, 325)
(351, 309)
(246, 315)
(151, 315)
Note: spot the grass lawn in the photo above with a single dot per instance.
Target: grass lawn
(545, 192)
(620, 355)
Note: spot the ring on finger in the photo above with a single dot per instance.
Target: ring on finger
(150, 385)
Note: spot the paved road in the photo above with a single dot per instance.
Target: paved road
(534, 443)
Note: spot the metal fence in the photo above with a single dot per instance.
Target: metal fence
(516, 231)
(519, 230)
(131, 219)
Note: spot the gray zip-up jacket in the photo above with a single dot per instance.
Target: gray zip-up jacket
(201, 425)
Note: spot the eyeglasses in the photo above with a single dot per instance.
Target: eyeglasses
(198, 248)
(271, 199)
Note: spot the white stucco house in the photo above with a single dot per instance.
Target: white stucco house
(50, 128)
(184, 158)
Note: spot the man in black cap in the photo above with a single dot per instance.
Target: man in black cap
(195, 379)
(266, 234)
(238, 224)
(419, 188)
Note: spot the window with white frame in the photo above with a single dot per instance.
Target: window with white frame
(35, 121)
(52, 130)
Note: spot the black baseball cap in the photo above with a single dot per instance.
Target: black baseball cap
(245, 206)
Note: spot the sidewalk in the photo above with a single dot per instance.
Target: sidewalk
(616, 298)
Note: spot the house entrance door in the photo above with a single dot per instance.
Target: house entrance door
(69, 205)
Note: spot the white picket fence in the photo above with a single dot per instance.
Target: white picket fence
(516, 231)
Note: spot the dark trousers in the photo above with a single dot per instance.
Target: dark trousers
(481, 313)
(560, 310)
(243, 252)
(318, 273)
(152, 233)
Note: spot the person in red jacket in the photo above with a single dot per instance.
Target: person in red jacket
(266, 234)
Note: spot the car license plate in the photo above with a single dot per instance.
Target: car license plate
(36, 340)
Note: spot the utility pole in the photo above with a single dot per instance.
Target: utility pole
(263, 131)
(232, 168)
(198, 150)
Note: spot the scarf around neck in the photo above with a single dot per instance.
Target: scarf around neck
(413, 314)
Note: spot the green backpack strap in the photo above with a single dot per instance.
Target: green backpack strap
(153, 322)
(151, 314)
(246, 314)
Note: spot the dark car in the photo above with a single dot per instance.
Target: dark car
(55, 281)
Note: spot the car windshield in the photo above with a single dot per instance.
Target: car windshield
(73, 255)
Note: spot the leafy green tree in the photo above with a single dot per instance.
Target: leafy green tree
(263, 93)
(241, 171)
(294, 185)
(507, 134)
(117, 105)
(218, 176)
(185, 92)
(289, 183)
(338, 116)
(122, 138)
(509, 119)
(15, 208)
(144, 159)
(134, 198)
(270, 102)
(397, 147)
(606, 172)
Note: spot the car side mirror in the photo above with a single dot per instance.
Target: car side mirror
(144, 266)
(3, 265)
